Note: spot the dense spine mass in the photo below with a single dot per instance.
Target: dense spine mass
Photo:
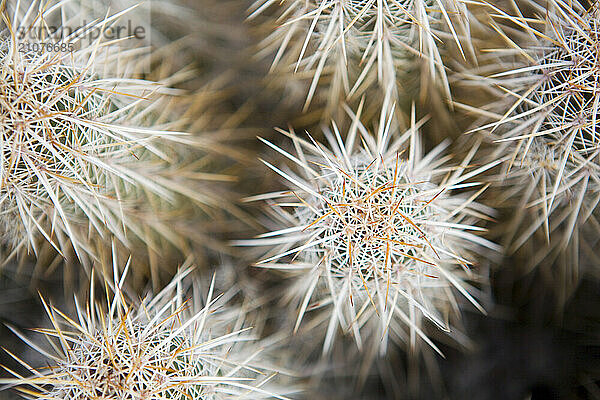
(84, 150)
(164, 347)
(427, 215)
(545, 121)
(358, 43)
(378, 234)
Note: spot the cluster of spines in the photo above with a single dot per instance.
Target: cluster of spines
(544, 119)
(376, 233)
(362, 43)
(87, 154)
(167, 345)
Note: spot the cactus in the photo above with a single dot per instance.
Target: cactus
(361, 42)
(361, 253)
(85, 153)
(545, 119)
(376, 232)
(162, 347)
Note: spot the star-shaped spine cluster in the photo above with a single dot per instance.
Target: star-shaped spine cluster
(164, 347)
(85, 148)
(547, 118)
(359, 42)
(381, 237)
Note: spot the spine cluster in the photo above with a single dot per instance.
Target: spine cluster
(435, 173)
